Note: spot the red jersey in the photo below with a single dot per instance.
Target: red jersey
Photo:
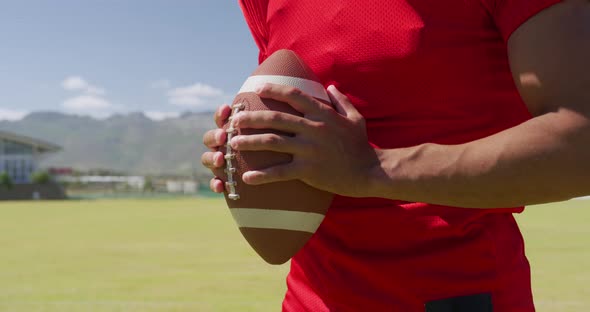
(419, 71)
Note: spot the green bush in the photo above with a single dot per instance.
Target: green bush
(6, 181)
(40, 177)
(149, 185)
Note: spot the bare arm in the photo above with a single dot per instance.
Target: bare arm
(545, 159)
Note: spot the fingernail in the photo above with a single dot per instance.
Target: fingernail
(219, 187)
(218, 161)
(259, 88)
(234, 142)
(236, 119)
(246, 177)
(219, 136)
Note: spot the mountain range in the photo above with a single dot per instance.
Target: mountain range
(132, 143)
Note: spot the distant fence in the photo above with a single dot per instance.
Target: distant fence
(32, 191)
(98, 194)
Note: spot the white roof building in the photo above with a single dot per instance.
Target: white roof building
(20, 155)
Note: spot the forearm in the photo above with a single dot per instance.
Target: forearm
(543, 160)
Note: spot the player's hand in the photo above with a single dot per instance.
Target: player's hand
(330, 147)
(213, 139)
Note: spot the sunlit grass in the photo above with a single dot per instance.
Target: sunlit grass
(156, 255)
(187, 255)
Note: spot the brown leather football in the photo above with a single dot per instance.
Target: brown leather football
(277, 219)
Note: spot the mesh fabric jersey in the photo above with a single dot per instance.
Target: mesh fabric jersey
(419, 71)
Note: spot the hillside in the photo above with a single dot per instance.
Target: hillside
(130, 143)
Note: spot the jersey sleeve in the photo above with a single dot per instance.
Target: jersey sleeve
(255, 14)
(510, 14)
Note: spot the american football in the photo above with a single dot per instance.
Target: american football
(277, 219)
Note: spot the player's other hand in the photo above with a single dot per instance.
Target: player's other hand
(330, 147)
(214, 139)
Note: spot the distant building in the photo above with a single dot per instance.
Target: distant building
(186, 187)
(133, 182)
(20, 155)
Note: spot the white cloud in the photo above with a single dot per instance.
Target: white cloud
(86, 103)
(9, 114)
(161, 84)
(77, 83)
(90, 100)
(198, 95)
(153, 115)
(197, 89)
(187, 101)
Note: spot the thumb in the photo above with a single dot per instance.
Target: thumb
(342, 104)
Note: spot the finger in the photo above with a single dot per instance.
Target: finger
(221, 115)
(213, 160)
(216, 185)
(266, 142)
(270, 175)
(300, 101)
(272, 120)
(213, 139)
(342, 104)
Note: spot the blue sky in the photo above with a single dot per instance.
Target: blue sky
(92, 57)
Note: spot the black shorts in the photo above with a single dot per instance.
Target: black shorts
(472, 303)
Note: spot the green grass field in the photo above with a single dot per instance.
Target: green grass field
(187, 255)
